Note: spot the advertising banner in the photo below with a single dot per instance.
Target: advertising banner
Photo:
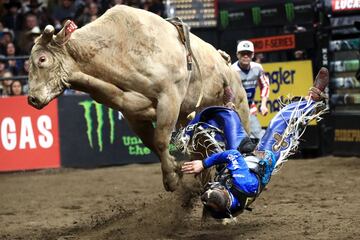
(233, 14)
(274, 43)
(346, 134)
(345, 5)
(94, 135)
(287, 79)
(29, 137)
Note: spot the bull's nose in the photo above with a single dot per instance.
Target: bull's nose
(33, 101)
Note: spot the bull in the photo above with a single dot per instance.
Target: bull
(135, 62)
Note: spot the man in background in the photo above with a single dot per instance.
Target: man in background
(252, 74)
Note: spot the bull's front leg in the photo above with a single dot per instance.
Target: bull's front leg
(146, 131)
(167, 113)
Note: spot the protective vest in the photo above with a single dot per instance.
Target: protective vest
(250, 79)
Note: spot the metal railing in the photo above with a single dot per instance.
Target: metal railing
(18, 77)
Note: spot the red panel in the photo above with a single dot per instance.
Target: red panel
(274, 43)
(29, 138)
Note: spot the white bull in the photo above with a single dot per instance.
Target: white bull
(134, 61)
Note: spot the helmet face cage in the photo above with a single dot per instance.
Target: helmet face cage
(217, 201)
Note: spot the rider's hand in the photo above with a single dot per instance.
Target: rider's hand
(195, 166)
(264, 110)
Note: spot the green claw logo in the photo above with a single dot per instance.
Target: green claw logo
(256, 14)
(289, 9)
(224, 18)
(99, 110)
(133, 143)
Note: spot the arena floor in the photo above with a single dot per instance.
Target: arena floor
(308, 199)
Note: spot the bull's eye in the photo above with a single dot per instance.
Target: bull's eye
(42, 59)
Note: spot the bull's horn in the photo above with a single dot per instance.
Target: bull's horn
(64, 34)
(47, 34)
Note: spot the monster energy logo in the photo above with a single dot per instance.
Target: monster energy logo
(256, 15)
(88, 105)
(224, 18)
(289, 9)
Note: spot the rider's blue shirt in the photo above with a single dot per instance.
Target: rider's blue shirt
(243, 178)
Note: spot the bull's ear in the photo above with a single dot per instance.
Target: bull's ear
(47, 34)
(65, 33)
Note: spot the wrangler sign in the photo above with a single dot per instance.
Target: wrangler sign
(287, 79)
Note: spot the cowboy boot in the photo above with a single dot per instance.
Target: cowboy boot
(316, 92)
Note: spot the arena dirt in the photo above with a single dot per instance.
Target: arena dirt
(307, 199)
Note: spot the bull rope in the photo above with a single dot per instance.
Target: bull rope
(184, 30)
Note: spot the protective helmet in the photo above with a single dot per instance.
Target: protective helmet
(217, 201)
(245, 46)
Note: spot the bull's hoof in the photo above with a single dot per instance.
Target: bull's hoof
(171, 181)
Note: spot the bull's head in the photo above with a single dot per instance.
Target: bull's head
(50, 66)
